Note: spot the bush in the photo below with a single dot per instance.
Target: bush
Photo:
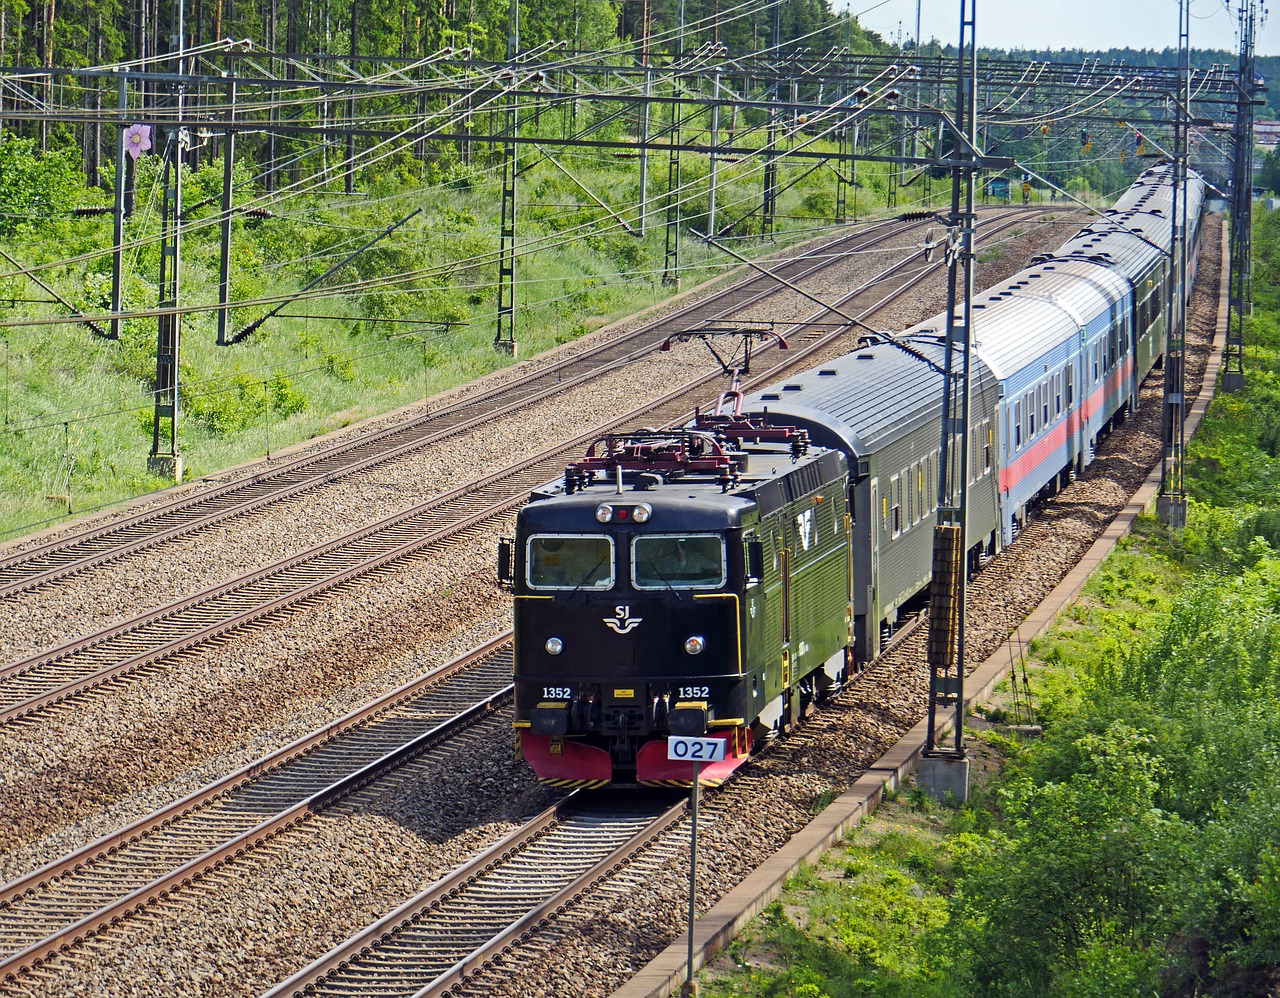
(35, 187)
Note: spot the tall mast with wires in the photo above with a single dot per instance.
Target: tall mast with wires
(505, 338)
(671, 253)
(164, 460)
(1171, 504)
(1240, 293)
(944, 769)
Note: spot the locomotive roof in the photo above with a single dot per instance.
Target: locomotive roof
(770, 478)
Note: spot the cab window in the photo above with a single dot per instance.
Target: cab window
(570, 562)
(685, 561)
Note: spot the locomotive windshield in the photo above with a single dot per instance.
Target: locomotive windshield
(680, 562)
(570, 562)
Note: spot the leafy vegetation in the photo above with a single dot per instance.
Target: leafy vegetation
(1135, 848)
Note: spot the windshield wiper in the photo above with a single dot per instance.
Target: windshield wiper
(665, 580)
(590, 572)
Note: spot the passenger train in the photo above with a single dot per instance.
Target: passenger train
(714, 579)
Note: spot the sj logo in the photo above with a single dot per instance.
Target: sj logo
(622, 622)
(805, 522)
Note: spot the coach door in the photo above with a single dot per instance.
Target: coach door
(876, 520)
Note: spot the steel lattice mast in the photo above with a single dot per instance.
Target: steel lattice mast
(1239, 293)
(945, 765)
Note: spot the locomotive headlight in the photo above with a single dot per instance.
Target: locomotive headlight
(642, 513)
(694, 644)
(604, 512)
(554, 646)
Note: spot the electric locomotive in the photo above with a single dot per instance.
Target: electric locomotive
(648, 603)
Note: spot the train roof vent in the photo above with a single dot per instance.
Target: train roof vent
(771, 397)
(864, 356)
(827, 372)
(792, 388)
(1036, 277)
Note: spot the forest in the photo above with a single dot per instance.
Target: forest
(104, 32)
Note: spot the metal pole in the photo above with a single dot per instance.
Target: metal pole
(690, 988)
(224, 262)
(505, 337)
(944, 767)
(117, 250)
(1171, 504)
(671, 255)
(165, 461)
(644, 118)
(715, 139)
(349, 179)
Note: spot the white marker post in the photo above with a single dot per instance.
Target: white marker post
(681, 748)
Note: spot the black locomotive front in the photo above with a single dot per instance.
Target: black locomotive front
(627, 629)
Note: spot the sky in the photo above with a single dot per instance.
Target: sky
(1087, 24)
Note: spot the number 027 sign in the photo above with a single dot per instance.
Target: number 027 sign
(681, 748)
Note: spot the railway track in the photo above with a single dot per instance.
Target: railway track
(155, 640)
(71, 900)
(121, 538)
(85, 894)
(428, 944)
(432, 944)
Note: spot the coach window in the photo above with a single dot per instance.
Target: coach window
(920, 491)
(1096, 351)
(1071, 385)
(895, 511)
(1044, 405)
(559, 561)
(677, 561)
(1057, 395)
(1017, 426)
(988, 437)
